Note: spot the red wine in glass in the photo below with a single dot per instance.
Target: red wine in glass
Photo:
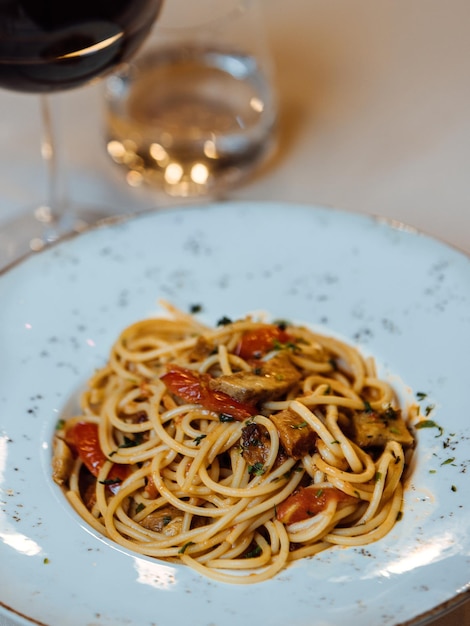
(55, 45)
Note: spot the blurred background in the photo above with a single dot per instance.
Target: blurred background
(375, 100)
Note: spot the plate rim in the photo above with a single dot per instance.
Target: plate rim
(122, 218)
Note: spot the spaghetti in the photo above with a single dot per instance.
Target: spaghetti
(234, 450)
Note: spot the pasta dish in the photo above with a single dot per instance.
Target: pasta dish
(235, 449)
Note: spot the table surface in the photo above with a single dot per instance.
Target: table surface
(375, 119)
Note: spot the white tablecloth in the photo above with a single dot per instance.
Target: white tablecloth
(375, 99)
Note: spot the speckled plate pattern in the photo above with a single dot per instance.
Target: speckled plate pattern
(397, 294)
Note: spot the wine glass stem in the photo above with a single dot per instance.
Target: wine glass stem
(52, 212)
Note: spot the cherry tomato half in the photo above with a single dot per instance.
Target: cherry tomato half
(309, 501)
(259, 341)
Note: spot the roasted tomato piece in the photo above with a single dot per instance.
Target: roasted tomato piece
(84, 440)
(191, 386)
(259, 341)
(309, 501)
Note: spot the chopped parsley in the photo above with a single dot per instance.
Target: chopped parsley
(111, 481)
(257, 469)
(256, 551)
(390, 413)
(197, 440)
(289, 345)
(281, 324)
(299, 426)
(448, 461)
(430, 424)
(223, 417)
(129, 442)
(140, 507)
(224, 321)
(183, 548)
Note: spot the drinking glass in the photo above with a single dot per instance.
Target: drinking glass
(195, 112)
(48, 46)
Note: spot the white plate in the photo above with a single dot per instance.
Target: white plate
(397, 294)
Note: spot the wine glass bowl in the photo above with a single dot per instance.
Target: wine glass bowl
(49, 46)
(52, 46)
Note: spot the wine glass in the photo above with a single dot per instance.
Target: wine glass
(48, 46)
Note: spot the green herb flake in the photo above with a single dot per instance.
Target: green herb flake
(257, 469)
(378, 476)
(223, 417)
(195, 308)
(319, 493)
(299, 426)
(110, 481)
(140, 507)
(453, 488)
(256, 551)
(290, 345)
(197, 440)
(367, 407)
(183, 548)
(60, 424)
(399, 516)
(432, 471)
(421, 395)
(429, 409)
(448, 461)
(166, 520)
(46, 561)
(390, 413)
(430, 424)
(131, 442)
(224, 321)
(281, 324)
